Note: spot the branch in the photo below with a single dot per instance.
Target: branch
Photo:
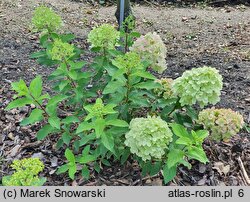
(243, 170)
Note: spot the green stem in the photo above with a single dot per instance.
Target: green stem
(68, 68)
(39, 104)
(175, 107)
(128, 88)
(104, 52)
(126, 43)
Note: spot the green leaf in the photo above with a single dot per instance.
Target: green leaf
(35, 115)
(146, 166)
(184, 141)
(191, 112)
(148, 85)
(117, 122)
(202, 134)
(42, 97)
(46, 61)
(118, 73)
(155, 168)
(69, 155)
(20, 87)
(99, 127)
(84, 75)
(168, 109)
(86, 138)
(72, 171)
(20, 102)
(112, 87)
(198, 154)
(84, 126)
(139, 102)
(180, 130)
(108, 141)
(67, 37)
(77, 65)
(5, 180)
(169, 173)
(59, 143)
(54, 35)
(106, 162)
(44, 131)
(43, 40)
(125, 155)
(144, 74)
(185, 163)
(85, 172)
(70, 119)
(38, 54)
(40, 181)
(56, 99)
(86, 159)
(52, 103)
(55, 122)
(64, 168)
(66, 138)
(108, 109)
(63, 84)
(86, 150)
(135, 34)
(73, 74)
(76, 145)
(97, 167)
(36, 87)
(174, 156)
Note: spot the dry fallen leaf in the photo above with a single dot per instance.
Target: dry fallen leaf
(14, 151)
(221, 169)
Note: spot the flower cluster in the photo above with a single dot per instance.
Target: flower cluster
(151, 48)
(148, 137)
(46, 19)
(99, 109)
(165, 91)
(223, 123)
(129, 61)
(104, 36)
(25, 174)
(61, 50)
(199, 85)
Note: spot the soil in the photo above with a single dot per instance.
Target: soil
(194, 37)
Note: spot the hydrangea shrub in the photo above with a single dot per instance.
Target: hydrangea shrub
(148, 137)
(151, 48)
(46, 19)
(223, 123)
(104, 36)
(199, 85)
(26, 173)
(97, 104)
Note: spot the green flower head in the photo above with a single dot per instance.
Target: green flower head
(222, 123)
(148, 137)
(98, 110)
(165, 91)
(26, 173)
(129, 61)
(199, 85)
(61, 51)
(104, 36)
(150, 47)
(46, 19)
